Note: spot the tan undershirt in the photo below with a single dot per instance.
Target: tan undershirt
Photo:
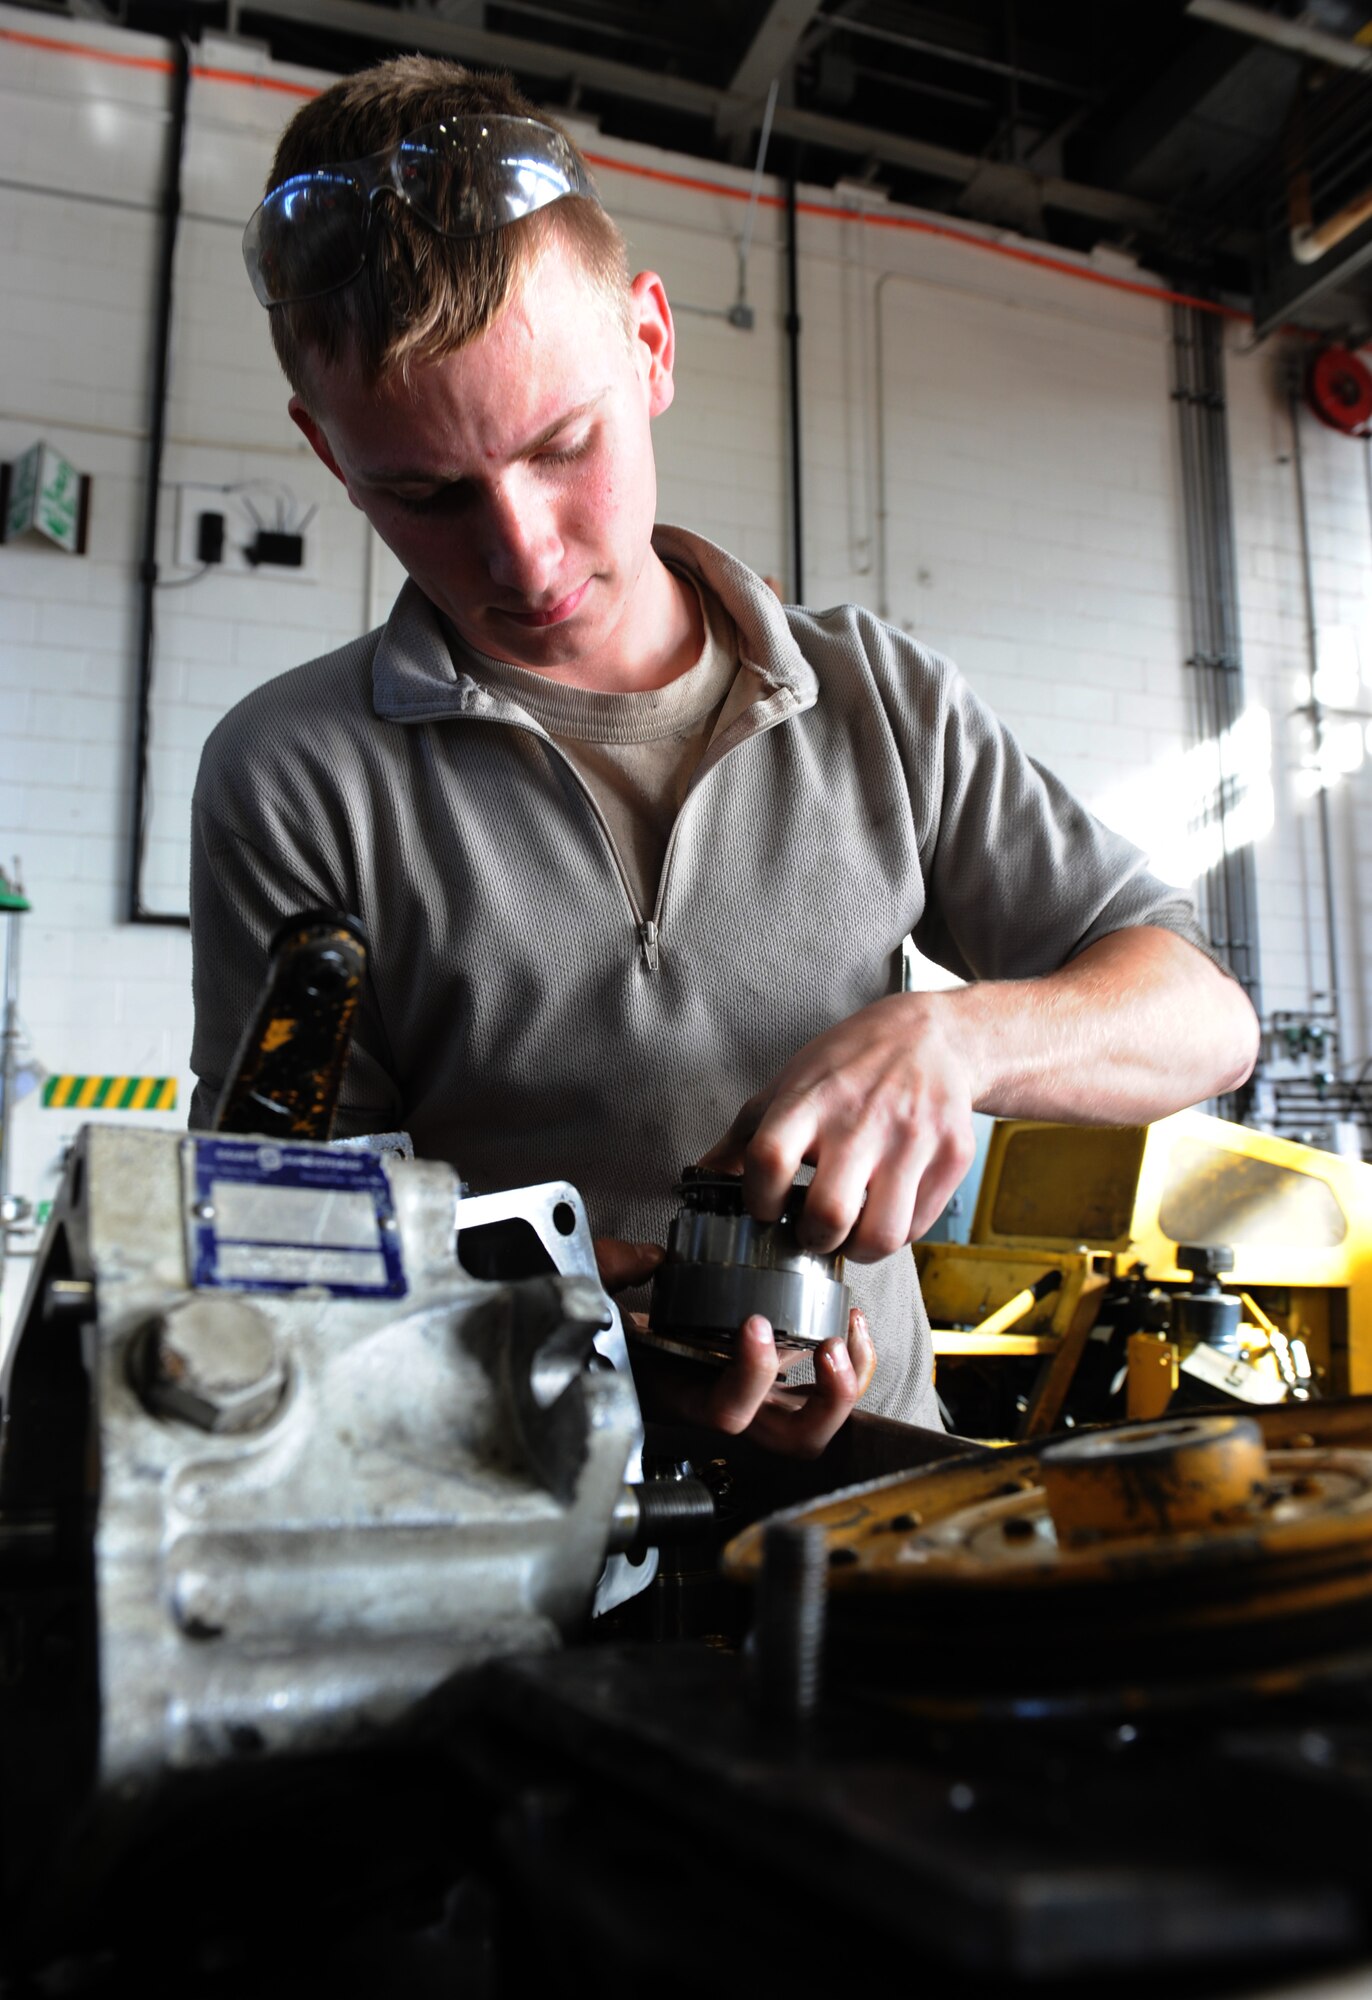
(637, 753)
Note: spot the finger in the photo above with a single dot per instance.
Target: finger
(740, 1389)
(775, 1153)
(862, 1351)
(941, 1180)
(835, 1198)
(623, 1264)
(803, 1429)
(887, 1219)
(726, 1155)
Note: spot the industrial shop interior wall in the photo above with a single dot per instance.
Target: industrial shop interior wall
(990, 460)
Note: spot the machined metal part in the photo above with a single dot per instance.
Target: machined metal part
(1159, 1479)
(1204, 1311)
(723, 1265)
(522, 1232)
(285, 1520)
(1180, 1562)
(661, 1510)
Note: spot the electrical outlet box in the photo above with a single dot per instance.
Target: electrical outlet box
(260, 533)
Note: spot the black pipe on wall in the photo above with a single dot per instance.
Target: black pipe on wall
(793, 349)
(157, 427)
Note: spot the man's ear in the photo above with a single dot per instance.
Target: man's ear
(654, 339)
(319, 444)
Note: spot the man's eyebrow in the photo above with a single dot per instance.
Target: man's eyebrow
(408, 476)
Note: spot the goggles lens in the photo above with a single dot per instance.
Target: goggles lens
(463, 177)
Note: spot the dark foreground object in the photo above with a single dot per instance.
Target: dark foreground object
(667, 1832)
(624, 1818)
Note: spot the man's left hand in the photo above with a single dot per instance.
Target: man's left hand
(746, 1394)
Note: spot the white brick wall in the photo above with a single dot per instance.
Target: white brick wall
(1031, 509)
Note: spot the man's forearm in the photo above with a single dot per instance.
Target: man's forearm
(1138, 1025)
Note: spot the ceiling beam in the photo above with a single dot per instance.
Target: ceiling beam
(407, 28)
(1293, 36)
(410, 30)
(773, 46)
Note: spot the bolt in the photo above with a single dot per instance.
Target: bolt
(212, 1362)
(789, 1634)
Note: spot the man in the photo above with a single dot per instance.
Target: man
(636, 846)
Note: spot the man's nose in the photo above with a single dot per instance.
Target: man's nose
(523, 546)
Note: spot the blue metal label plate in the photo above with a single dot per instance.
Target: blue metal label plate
(271, 1218)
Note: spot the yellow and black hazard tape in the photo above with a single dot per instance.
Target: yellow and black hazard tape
(110, 1093)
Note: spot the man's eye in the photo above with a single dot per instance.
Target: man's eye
(564, 454)
(445, 498)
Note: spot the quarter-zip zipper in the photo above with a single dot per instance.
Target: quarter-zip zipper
(647, 929)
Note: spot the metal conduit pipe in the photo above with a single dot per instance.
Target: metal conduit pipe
(1315, 707)
(157, 429)
(793, 352)
(1241, 863)
(879, 418)
(1230, 890)
(1221, 638)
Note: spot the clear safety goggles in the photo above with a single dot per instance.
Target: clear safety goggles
(463, 177)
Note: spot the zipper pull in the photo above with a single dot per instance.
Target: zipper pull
(647, 944)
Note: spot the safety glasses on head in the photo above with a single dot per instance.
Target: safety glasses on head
(463, 177)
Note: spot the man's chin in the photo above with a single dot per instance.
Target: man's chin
(572, 642)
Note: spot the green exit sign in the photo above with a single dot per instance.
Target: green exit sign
(43, 494)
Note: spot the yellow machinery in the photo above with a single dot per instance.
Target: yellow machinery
(1074, 1258)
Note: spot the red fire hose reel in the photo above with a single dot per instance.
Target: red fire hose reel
(1338, 388)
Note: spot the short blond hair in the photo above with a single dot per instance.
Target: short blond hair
(421, 295)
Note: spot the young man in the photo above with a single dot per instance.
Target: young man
(634, 845)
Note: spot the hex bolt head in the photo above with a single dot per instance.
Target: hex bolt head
(214, 1363)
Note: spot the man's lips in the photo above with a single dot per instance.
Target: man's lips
(555, 613)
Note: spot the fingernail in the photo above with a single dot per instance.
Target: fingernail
(835, 1359)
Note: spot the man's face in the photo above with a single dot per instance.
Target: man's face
(514, 479)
